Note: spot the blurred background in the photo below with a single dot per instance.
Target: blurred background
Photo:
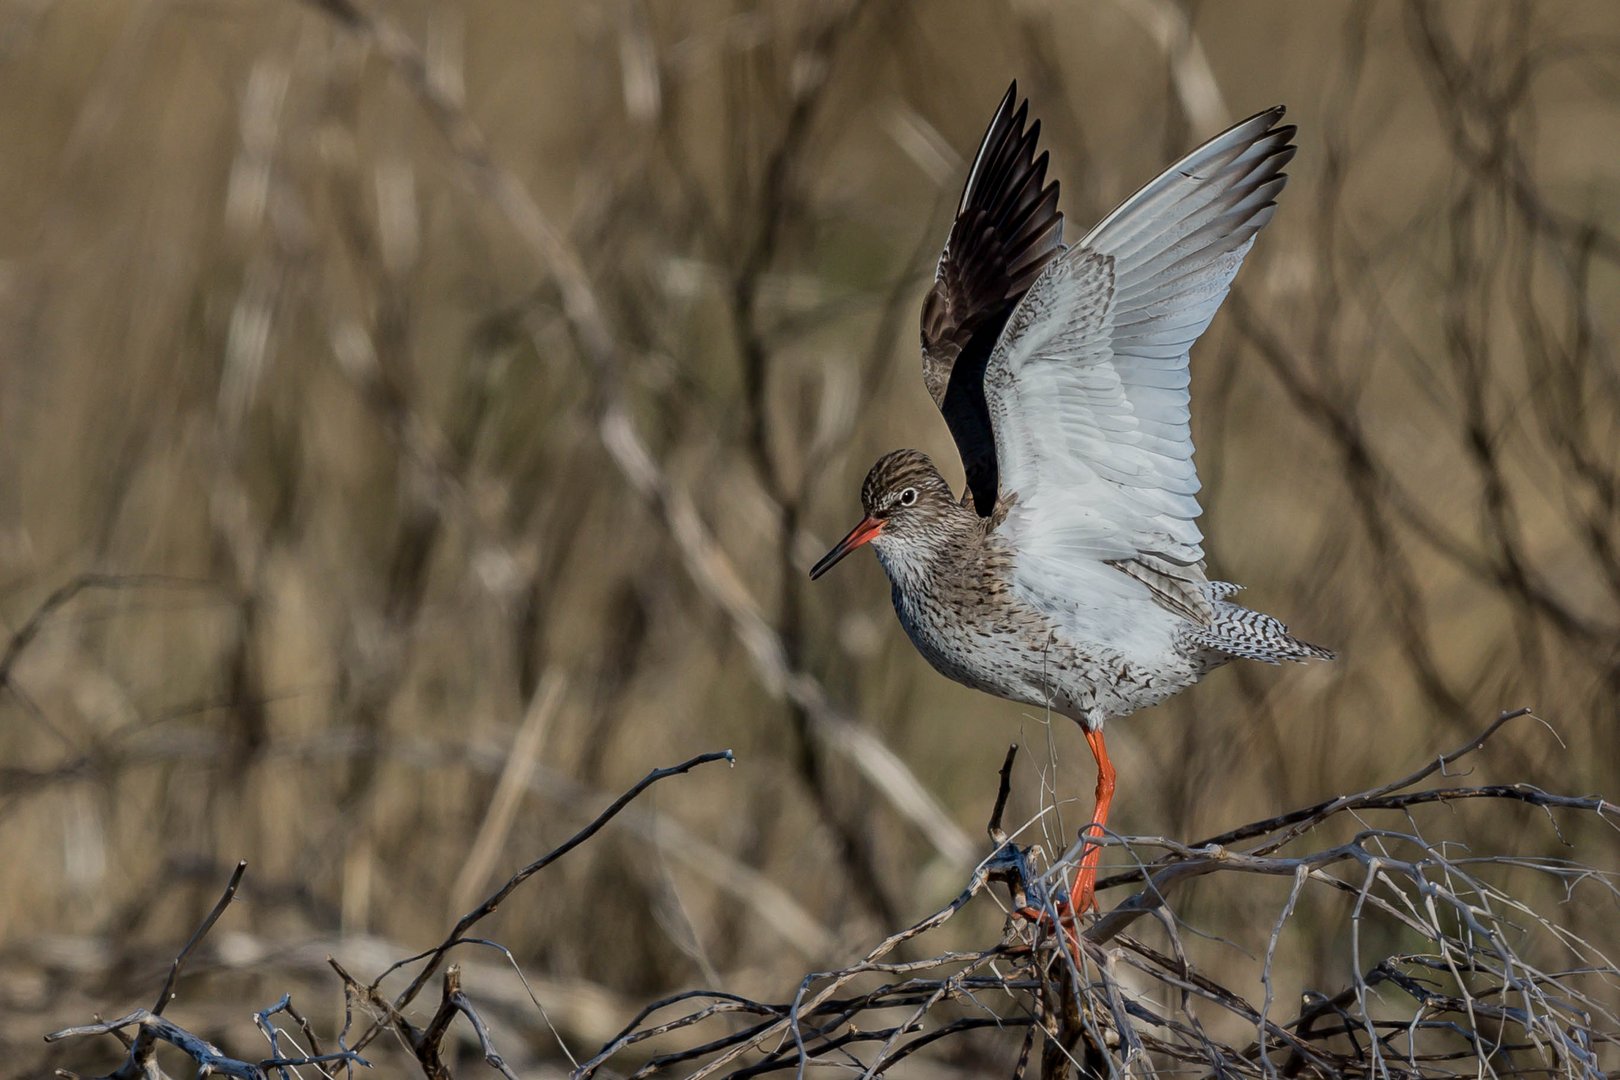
(448, 399)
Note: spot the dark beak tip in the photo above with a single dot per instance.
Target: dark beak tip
(828, 561)
(859, 535)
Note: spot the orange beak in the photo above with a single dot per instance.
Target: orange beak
(860, 534)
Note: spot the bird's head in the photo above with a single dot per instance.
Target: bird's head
(910, 514)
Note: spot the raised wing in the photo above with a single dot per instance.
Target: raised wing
(1007, 229)
(1087, 389)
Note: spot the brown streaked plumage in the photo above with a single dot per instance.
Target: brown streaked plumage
(1070, 575)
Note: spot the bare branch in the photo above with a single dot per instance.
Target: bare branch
(166, 994)
(457, 935)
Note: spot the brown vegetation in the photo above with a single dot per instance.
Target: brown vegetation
(417, 418)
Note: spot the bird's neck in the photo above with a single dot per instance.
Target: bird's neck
(920, 562)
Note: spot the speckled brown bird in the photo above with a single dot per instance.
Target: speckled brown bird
(1070, 573)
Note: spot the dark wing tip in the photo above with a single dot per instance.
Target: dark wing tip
(1007, 229)
(1008, 208)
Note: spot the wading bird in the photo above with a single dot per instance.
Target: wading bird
(1070, 574)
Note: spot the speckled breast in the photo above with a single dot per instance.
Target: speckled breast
(1013, 651)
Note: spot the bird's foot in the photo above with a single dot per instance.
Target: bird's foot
(1085, 890)
(1060, 919)
(1080, 901)
(1030, 899)
(1059, 912)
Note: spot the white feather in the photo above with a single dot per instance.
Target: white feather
(1088, 386)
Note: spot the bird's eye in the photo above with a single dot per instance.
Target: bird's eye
(908, 497)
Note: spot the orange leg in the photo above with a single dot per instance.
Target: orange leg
(1082, 897)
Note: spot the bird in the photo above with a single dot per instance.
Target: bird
(1069, 574)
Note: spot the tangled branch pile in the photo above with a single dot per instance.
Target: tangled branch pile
(1451, 974)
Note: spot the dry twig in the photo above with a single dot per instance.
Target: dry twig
(140, 1062)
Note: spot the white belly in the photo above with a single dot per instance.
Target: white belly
(1017, 653)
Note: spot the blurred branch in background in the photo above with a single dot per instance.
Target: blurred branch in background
(417, 418)
(772, 651)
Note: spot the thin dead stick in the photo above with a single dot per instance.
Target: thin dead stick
(272, 1032)
(998, 835)
(65, 593)
(509, 789)
(167, 993)
(429, 1045)
(152, 1027)
(1196, 862)
(456, 1002)
(1307, 818)
(142, 1049)
(871, 962)
(1304, 821)
(210, 1059)
(436, 955)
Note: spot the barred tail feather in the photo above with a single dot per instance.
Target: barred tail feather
(1252, 635)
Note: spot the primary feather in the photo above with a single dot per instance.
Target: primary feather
(1007, 229)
